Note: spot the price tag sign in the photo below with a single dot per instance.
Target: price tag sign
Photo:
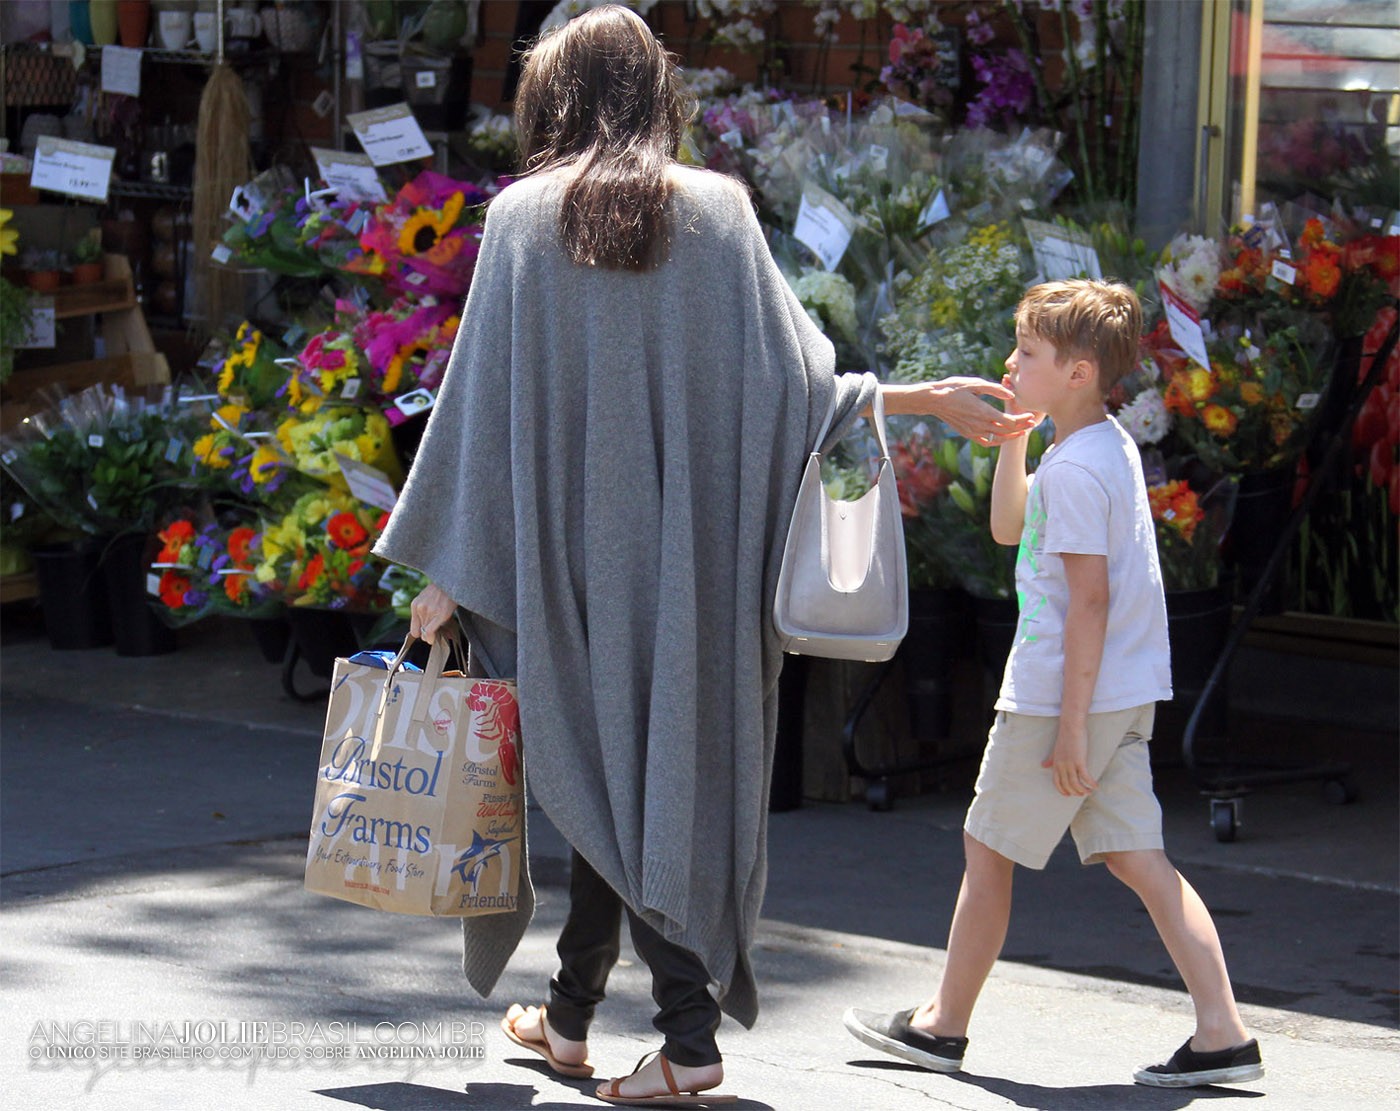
(77, 169)
(937, 209)
(425, 79)
(1062, 252)
(1185, 325)
(121, 70)
(1283, 272)
(390, 135)
(41, 324)
(349, 174)
(367, 484)
(825, 225)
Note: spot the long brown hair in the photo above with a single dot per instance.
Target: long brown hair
(602, 96)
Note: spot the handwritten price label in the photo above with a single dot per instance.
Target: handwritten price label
(77, 169)
(390, 135)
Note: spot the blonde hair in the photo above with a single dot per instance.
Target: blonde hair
(1086, 319)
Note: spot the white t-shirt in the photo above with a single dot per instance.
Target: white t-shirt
(1088, 497)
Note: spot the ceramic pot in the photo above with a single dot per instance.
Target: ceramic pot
(133, 22)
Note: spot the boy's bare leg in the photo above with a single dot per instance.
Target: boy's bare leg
(975, 938)
(1188, 932)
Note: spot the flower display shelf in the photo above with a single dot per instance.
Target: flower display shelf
(131, 360)
(1223, 780)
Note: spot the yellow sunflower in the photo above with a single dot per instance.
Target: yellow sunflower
(9, 238)
(265, 464)
(422, 230)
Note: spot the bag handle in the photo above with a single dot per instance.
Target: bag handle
(446, 641)
(877, 421)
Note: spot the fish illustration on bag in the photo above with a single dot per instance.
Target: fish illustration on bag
(473, 861)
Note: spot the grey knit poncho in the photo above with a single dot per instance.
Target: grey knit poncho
(605, 486)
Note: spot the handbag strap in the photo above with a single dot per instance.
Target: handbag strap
(877, 421)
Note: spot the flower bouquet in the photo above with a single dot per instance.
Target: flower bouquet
(425, 240)
(180, 574)
(239, 453)
(248, 373)
(103, 461)
(1190, 527)
(318, 554)
(267, 228)
(407, 345)
(311, 444)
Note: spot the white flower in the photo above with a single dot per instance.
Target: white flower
(565, 10)
(830, 296)
(1192, 269)
(1145, 418)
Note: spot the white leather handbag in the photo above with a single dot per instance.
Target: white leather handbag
(843, 590)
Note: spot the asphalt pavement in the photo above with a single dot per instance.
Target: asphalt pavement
(160, 951)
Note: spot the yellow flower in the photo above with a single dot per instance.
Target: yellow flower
(226, 377)
(1200, 384)
(206, 450)
(9, 238)
(422, 230)
(265, 464)
(1251, 393)
(1219, 420)
(284, 433)
(227, 417)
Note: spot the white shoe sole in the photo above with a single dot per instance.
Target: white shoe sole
(1236, 1075)
(896, 1048)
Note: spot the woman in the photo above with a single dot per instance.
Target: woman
(602, 494)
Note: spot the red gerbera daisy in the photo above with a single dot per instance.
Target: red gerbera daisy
(345, 530)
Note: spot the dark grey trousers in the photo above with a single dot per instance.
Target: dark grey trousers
(688, 1015)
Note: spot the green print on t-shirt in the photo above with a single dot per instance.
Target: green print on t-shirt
(1026, 554)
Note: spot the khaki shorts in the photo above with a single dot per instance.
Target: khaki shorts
(1018, 812)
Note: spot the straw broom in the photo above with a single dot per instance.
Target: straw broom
(222, 163)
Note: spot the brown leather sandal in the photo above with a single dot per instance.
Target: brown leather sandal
(698, 1097)
(540, 1045)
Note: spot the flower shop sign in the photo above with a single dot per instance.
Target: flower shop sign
(77, 169)
(1062, 252)
(390, 135)
(1185, 325)
(824, 225)
(350, 174)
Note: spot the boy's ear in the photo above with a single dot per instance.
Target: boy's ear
(1084, 372)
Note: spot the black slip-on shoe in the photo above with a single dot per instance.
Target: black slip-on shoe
(1188, 1069)
(893, 1034)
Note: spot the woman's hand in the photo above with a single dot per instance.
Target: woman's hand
(956, 403)
(429, 611)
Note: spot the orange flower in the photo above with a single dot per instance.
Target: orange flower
(311, 574)
(345, 530)
(1251, 393)
(1219, 420)
(239, 541)
(236, 586)
(1176, 399)
(173, 538)
(1322, 274)
(173, 588)
(1176, 504)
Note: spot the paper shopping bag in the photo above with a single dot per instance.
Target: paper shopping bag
(420, 804)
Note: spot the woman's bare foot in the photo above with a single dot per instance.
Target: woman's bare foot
(649, 1080)
(528, 1022)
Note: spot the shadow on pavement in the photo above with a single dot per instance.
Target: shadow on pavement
(1086, 1097)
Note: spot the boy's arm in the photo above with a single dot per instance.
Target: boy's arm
(1009, 486)
(1086, 624)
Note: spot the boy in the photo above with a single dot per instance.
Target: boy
(1069, 746)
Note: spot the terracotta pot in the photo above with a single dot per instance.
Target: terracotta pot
(85, 273)
(133, 22)
(44, 281)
